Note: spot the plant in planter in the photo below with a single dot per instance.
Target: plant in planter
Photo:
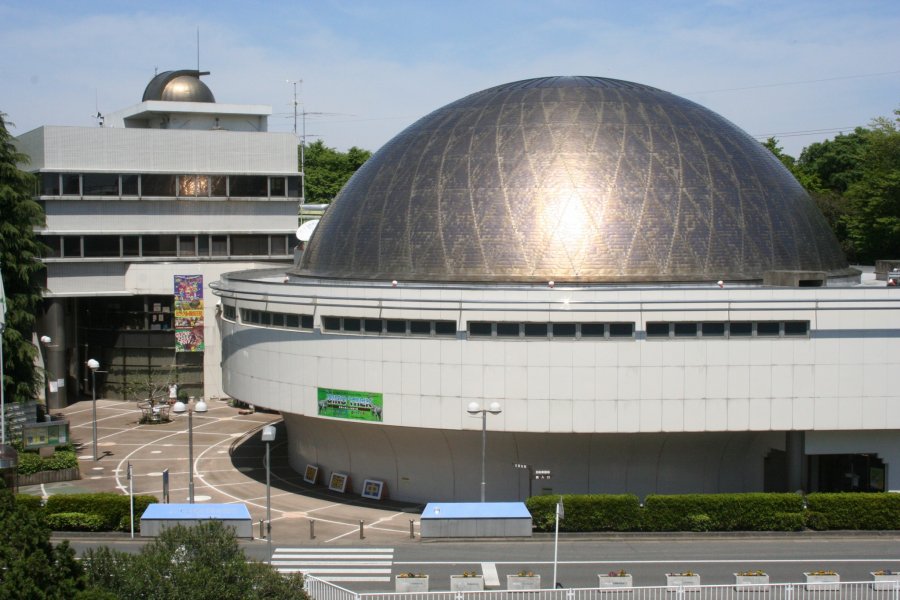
(615, 579)
(523, 580)
(885, 579)
(822, 580)
(466, 582)
(751, 581)
(410, 582)
(687, 581)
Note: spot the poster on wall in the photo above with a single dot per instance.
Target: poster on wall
(346, 404)
(189, 313)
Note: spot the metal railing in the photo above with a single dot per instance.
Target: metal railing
(319, 589)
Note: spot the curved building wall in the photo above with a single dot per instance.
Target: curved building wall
(641, 413)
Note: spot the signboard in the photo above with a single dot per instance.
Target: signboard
(345, 404)
(50, 433)
(189, 313)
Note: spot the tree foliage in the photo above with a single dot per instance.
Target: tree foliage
(197, 563)
(20, 252)
(30, 566)
(327, 170)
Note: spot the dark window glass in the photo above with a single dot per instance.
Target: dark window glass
(395, 326)
(159, 245)
(535, 330)
(621, 330)
(293, 187)
(130, 185)
(292, 321)
(276, 187)
(131, 245)
(50, 184)
(480, 329)
(331, 323)
(420, 327)
(158, 185)
(796, 328)
(100, 184)
(685, 330)
(593, 330)
(564, 330)
(278, 319)
(54, 246)
(193, 186)
(187, 245)
(202, 245)
(445, 327)
(712, 329)
(249, 245)
(229, 312)
(768, 328)
(71, 185)
(217, 185)
(279, 245)
(373, 325)
(71, 246)
(220, 245)
(508, 329)
(657, 330)
(101, 245)
(352, 324)
(740, 329)
(255, 186)
(306, 321)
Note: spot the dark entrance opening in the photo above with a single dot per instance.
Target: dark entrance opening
(850, 473)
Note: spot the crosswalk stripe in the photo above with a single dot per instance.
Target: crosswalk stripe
(337, 564)
(332, 550)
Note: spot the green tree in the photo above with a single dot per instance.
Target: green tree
(30, 566)
(197, 563)
(327, 170)
(20, 252)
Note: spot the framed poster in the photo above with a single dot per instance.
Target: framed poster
(338, 482)
(311, 474)
(349, 404)
(372, 488)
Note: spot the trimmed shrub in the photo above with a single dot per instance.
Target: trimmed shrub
(74, 521)
(722, 512)
(110, 507)
(589, 512)
(32, 502)
(30, 463)
(855, 510)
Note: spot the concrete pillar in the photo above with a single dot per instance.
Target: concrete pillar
(796, 459)
(54, 321)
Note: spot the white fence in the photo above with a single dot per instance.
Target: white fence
(319, 589)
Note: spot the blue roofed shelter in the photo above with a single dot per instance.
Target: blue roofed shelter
(476, 519)
(158, 517)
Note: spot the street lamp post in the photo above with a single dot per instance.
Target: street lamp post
(200, 407)
(268, 436)
(45, 345)
(93, 365)
(475, 409)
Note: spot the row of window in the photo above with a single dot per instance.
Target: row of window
(551, 330)
(271, 319)
(682, 329)
(168, 185)
(389, 326)
(125, 246)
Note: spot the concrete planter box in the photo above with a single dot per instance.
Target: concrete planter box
(606, 582)
(823, 583)
(460, 583)
(751, 583)
(676, 581)
(523, 582)
(410, 584)
(886, 581)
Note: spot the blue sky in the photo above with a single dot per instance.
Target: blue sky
(369, 69)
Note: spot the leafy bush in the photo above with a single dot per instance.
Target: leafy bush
(32, 502)
(721, 512)
(110, 507)
(855, 511)
(31, 462)
(74, 521)
(594, 512)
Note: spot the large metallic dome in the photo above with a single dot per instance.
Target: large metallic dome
(578, 179)
(178, 86)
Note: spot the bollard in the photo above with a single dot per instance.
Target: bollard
(412, 530)
(312, 529)
(361, 536)
(262, 534)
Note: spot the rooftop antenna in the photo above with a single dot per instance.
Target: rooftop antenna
(198, 48)
(294, 82)
(99, 115)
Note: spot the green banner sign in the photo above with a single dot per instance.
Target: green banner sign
(345, 404)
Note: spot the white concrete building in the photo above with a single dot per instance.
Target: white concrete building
(652, 300)
(177, 185)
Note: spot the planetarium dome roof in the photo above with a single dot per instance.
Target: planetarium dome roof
(178, 86)
(571, 179)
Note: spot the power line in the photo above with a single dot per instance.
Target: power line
(784, 83)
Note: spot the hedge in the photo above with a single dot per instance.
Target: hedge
(854, 511)
(31, 462)
(587, 512)
(75, 521)
(111, 508)
(723, 512)
(32, 502)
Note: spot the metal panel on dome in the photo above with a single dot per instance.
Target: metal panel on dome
(579, 179)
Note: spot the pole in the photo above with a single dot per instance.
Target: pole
(556, 545)
(131, 497)
(483, 450)
(2, 380)
(190, 456)
(268, 503)
(94, 408)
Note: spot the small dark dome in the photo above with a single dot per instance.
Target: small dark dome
(578, 179)
(178, 86)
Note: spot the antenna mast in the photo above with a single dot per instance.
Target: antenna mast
(294, 82)
(198, 47)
